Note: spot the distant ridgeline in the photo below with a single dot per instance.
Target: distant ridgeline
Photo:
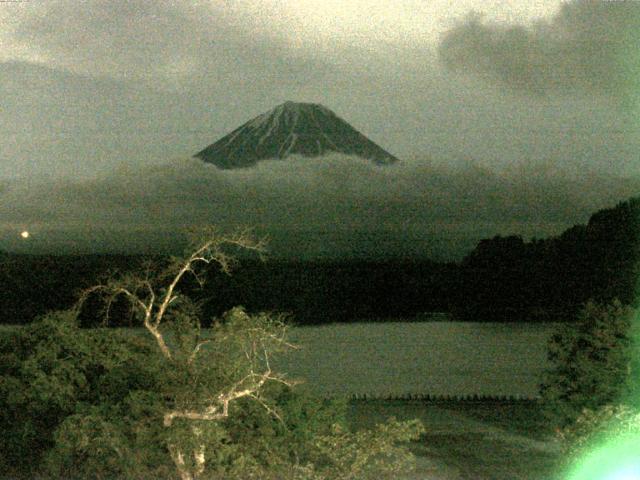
(503, 278)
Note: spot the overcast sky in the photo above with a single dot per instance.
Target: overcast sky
(517, 82)
(92, 89)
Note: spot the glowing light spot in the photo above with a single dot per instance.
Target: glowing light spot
(24, 234)
(617, 459)
(625, 473)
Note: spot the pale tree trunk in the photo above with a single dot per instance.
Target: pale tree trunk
(153, 304)
(198, 456)
(183, 470)
(181, 466)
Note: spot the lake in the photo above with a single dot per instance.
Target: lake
(435, 358)
(418, 358)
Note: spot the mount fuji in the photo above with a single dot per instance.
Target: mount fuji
(307, 129)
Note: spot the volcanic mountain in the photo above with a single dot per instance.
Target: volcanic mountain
(306, 129)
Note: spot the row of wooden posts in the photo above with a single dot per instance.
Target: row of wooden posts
(442, 398)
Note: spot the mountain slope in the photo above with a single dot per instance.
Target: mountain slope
(291, 128)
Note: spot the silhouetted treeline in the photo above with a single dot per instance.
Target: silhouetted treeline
(312, 292)
(507, 278)
(32, 285)
(503, 278)
(318, 292)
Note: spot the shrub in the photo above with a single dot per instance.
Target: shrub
(590, 362)
(49, 369)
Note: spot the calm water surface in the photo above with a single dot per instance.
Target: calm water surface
(437, 358)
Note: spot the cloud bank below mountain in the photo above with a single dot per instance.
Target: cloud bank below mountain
(310, 208)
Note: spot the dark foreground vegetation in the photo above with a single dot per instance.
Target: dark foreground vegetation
(182, 401)
(89, 404)
(196, 397)
(503, 278)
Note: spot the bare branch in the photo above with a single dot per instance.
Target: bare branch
(269, 410)
(220, 410)
(197, 348)
(208, 251)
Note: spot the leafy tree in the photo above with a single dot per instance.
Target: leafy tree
(48, 370)
(590, 362)
(176, 398)
(201, 386)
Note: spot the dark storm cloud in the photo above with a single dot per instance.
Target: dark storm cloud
(590, 45)
(309, 208)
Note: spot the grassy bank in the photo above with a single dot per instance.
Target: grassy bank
(466, 440)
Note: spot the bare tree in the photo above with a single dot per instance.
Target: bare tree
(154, 296)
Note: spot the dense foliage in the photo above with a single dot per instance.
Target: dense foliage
(590, 362)
(52, 370)
(596, 427)
(88, 403)
(174, 399)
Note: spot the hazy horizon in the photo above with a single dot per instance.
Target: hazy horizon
(328, 207)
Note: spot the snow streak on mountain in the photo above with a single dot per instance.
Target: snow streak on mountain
(291, 128)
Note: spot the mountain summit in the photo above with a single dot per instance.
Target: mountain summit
(292, 128)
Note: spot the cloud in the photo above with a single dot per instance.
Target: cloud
(309, 207)
(176, 76)
(589, 45)
(179, 44)
(153, 41)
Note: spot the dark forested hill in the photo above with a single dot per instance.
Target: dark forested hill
(35, 284)
(506, 277)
